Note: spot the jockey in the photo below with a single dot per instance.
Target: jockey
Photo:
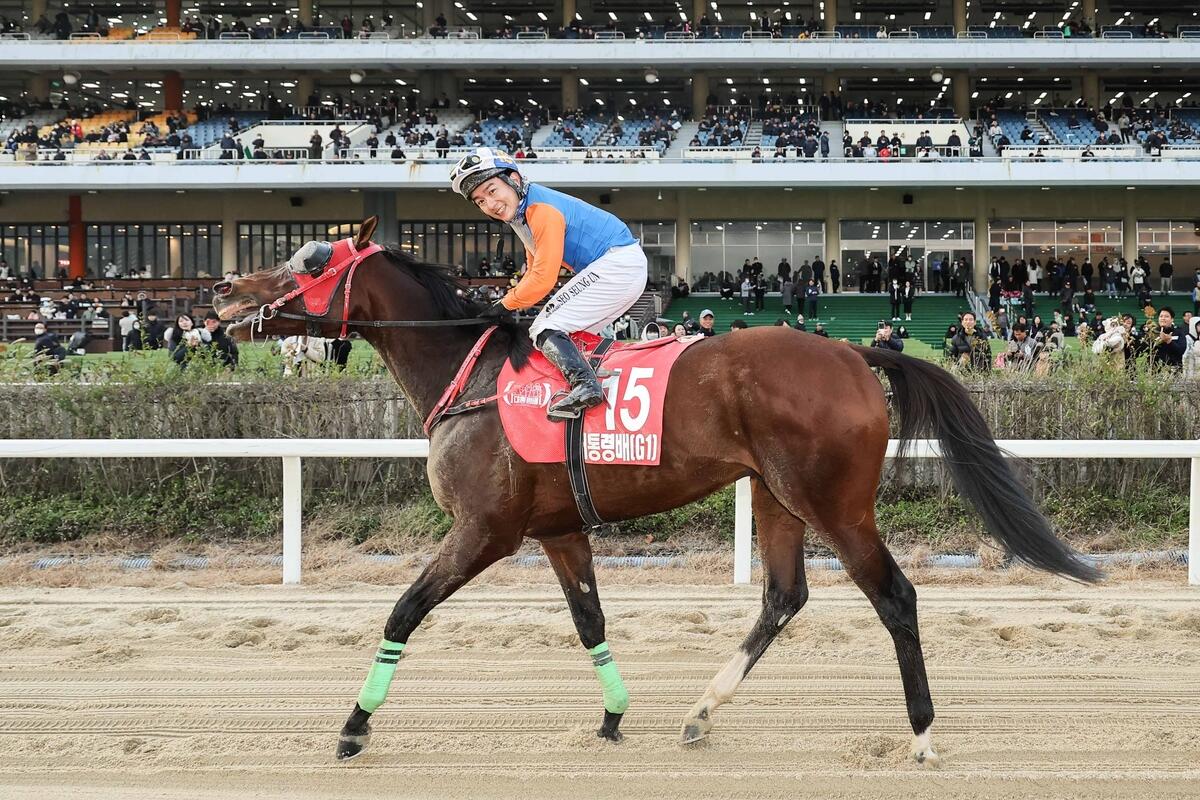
(558, 231)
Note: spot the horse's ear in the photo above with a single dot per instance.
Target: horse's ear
(365, 231)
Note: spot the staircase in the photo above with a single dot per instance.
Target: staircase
(683, 137)
(1040, 131)
(753, 135)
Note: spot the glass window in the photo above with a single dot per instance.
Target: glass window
(42, 248)
(1089, 240)
(1176, 241)
(929, 245)
(718, 246)
(164, 250)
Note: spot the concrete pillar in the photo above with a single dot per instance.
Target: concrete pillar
(1089, 14)
(172, 92)
(699, 94)
(698, 10)
(983, 247)
(570, 94)
(830, 82)
(1091, 89)
(229, 242)
(37, 11)
(568, 13)
(173, 13)
(175, 255)
(960, 16)
(683, 237)
(38, 87)
(383, 205)
(961, 83)
(831, 15)
(306, 13)
(304, 88)
(76, 241)
(1129, 242)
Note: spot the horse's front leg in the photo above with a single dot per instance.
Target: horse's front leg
(571, 557)
(467, 550)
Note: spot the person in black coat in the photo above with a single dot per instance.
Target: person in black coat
(908, 293)
(886, 338)
(221, 347)
(47, 350)
(1027, 298)
(835, 276)
(969, 347)
(895, 294)
(1171, 342)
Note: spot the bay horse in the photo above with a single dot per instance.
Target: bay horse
(730, 411)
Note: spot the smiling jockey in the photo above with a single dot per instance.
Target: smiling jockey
(558, 231)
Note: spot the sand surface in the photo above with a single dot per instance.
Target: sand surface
(1050, 690)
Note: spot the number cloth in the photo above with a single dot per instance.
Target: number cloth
(625, 429)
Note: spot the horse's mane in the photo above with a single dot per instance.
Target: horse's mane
(450, 302)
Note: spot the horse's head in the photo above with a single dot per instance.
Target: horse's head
(241, 299)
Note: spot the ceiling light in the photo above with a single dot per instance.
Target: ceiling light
(936, 75)
(70, 78)
(356, 76)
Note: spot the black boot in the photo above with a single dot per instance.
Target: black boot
(585, 388)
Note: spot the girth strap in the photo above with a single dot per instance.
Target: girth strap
(576, 469)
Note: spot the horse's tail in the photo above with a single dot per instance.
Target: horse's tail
(930, 400)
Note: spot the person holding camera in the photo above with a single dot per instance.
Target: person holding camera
(886, 338)
(184, 339)
(1024, 351)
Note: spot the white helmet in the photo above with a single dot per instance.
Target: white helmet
(480, 165)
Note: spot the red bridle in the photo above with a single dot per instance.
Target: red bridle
(345, 259)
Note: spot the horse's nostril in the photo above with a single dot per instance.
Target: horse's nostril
(223, 288)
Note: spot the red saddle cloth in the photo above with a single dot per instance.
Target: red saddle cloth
(625, 429)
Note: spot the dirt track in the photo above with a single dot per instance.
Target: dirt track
(1045, 691)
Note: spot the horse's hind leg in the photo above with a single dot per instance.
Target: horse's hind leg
(872, 567)
(785, 591)
(465, 552)
(571, 558)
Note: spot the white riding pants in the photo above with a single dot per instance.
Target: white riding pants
(597, 295)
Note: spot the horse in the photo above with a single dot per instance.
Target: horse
(730, 412)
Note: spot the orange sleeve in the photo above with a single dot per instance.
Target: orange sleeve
(549, 229)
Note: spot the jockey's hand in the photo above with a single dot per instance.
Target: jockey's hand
(496, 313)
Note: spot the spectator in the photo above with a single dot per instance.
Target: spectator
(706, 323)
(835, 276)
(1170, 343)
(689, 324)
(1165, 271)
(787, 291)
(908, 294)
(747, 291)
(1024, 352)
(812, 294)
(47, 351)
(220, 346)
(969, 347)
(895, 295)
(820, 330)
(737, 325)
(886, 338)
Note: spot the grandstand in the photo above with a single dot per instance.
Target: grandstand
(749, 76)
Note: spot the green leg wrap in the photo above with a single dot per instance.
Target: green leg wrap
(616, 696)
(375, 688)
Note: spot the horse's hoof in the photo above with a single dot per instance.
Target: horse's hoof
(351, 746)
(923, 752)
(692, 733)
(609, 728)
(612, 736)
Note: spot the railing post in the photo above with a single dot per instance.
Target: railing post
(742, 520)
(1194, 526)
(291, 519)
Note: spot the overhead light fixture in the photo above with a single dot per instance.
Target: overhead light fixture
(651, 76)
(70, 78)
(936, 75)
(356, 76)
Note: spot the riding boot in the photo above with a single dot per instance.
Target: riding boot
(585, 389)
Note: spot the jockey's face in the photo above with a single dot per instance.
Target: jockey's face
(497, 199)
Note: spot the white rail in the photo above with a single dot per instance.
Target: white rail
(292, 450)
